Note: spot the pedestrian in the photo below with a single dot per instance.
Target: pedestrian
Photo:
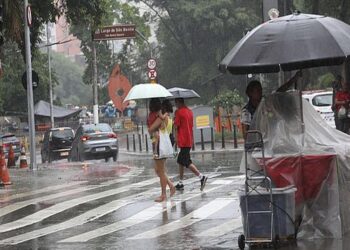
(254, 93)
(161, 122)
(155, 107)
(183, 124)
(336, 86)
(342, 100)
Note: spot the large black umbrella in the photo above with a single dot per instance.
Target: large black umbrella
(288, 43)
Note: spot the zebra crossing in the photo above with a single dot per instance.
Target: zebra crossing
(105, 210)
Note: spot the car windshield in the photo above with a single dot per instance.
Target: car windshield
(322, 100)
(63, 133)
(98, 128)
(7, 138)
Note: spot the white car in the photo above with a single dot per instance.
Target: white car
(322, 102)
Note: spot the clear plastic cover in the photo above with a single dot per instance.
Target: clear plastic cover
(301, 149)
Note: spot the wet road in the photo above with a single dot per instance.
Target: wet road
(99, 205)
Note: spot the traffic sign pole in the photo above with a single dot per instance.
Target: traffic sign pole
(28, 22)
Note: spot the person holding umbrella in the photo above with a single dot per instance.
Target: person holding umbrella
(155, 123)
(183, 123)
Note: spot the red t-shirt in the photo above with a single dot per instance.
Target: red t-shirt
(341, 96)
(184, 125)
(151, 118)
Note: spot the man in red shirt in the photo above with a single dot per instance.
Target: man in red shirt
(183, 124)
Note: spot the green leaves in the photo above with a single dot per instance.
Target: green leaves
(227, 100)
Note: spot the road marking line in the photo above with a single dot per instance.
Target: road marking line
(133, 220)
(191, 218)
(39, 191)
(83, 218)
(88, 216)
(18, 205)
(62, 206)
(222, 229)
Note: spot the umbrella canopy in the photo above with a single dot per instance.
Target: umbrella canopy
(288, 43)
(183, 93)
(147, 90)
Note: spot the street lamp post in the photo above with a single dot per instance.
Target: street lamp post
(50, 82)
(27, 19)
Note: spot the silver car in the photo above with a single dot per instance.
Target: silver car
(94, 141)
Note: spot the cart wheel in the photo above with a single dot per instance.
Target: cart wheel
(241, 242)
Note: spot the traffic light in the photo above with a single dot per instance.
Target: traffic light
(1, 23)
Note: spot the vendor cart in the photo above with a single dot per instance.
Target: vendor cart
(267, 212)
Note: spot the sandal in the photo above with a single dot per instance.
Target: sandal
(160, 199)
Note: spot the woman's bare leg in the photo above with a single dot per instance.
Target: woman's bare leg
(160, 170)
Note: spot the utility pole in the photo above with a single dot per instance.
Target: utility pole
(95, 85)
(28, 21)
(50, 82)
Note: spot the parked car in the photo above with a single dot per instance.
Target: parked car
(94, 141)
(6, 140)
(56, 144)
(322, 103)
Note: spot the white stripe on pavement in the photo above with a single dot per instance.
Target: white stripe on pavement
(83, 218)
(45, 213)
(133, 220)
(222, 229)
(88, 216)
(39, 191)
(191, 218)
(18, 205)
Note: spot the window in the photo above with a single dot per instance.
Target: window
(322, 100)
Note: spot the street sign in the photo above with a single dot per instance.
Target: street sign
(151, 64)
(120, 31)
(152, 74)
(35, 79)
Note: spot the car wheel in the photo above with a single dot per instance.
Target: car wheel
(43, 159)
(115, 157)
(106, 159)
(80, 157)
(49, 160)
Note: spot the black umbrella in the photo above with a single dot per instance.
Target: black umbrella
(182, 93)
(288, 43)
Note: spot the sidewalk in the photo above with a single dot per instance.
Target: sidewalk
(229, 147)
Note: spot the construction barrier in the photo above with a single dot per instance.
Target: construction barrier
(11, 161)
(23, 158)
(4, 172)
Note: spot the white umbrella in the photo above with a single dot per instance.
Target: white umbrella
(183, 93)
(146, 91)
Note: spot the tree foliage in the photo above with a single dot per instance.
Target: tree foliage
(194, 37)
(227, 100)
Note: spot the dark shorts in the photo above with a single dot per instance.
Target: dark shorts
(184, 157)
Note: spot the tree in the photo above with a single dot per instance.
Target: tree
(70, 87)
(12, 94)
(227, 100)
(194, 37)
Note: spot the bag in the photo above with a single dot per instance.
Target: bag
(342, 113)
(165, 148)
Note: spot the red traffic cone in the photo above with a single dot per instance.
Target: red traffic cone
(23, 159)
(4, 172)
(11, 162)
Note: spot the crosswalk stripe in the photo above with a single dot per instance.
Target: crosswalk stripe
(88, 216)
(7, 198)
(97, 213)
(222, 229)
(135, 219)
(55, 209)
(18, 205)
(83, 218)
(191, 218)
